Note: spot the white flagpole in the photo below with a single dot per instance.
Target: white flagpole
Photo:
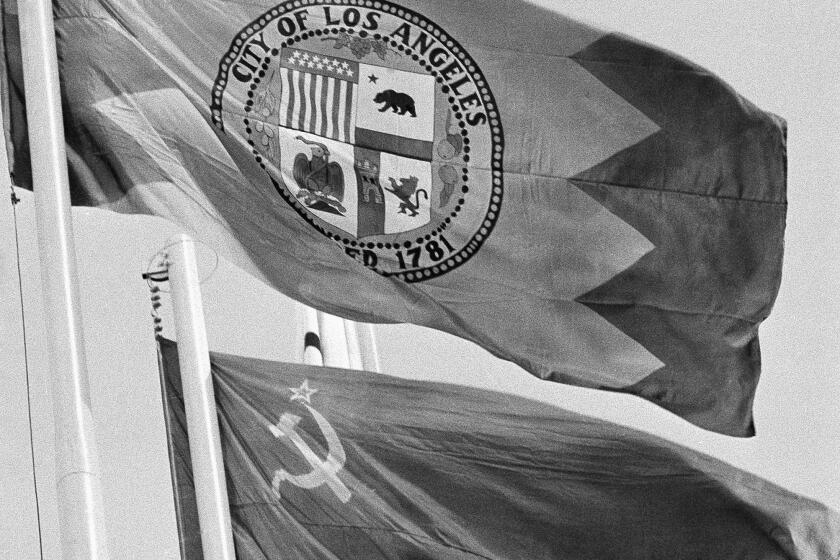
(78, 486)
(199, 401)
(354, 351)
(367, 346)
(312, 354)
(333, 340)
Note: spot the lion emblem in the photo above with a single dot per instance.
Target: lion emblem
(404, 190)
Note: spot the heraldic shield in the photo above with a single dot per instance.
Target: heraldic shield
(354, 141)
(374, 125)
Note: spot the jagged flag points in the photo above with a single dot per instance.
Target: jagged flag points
(594, 209)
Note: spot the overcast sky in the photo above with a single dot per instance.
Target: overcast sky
(781, 55)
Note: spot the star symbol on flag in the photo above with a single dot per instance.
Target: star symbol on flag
(372, 78)
(303, 393)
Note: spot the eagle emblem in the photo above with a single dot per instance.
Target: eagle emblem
(320, 180)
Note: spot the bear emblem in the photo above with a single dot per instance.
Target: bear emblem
(400, 103)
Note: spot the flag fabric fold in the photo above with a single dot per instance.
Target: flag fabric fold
(594, 209)
(328, 463)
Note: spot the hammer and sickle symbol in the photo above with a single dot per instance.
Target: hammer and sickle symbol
(323, 471)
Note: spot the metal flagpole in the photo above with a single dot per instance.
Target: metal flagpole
(81, 513)
(367, 346)
(199, 401)
(354, 351)
(333, 340)
(312, 340)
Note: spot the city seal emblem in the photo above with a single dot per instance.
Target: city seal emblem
(374, 125)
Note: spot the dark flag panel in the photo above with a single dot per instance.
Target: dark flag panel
(334, 464)
(596, 210)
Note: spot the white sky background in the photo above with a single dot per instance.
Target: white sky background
(783, 56)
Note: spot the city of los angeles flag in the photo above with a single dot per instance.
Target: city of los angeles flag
(335, 464)
(594, 209)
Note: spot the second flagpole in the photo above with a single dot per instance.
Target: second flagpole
(199, 401)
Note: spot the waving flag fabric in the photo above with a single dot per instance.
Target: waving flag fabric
(598, 211)
(333, 464)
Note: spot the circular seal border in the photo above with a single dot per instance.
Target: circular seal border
(482, 232)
